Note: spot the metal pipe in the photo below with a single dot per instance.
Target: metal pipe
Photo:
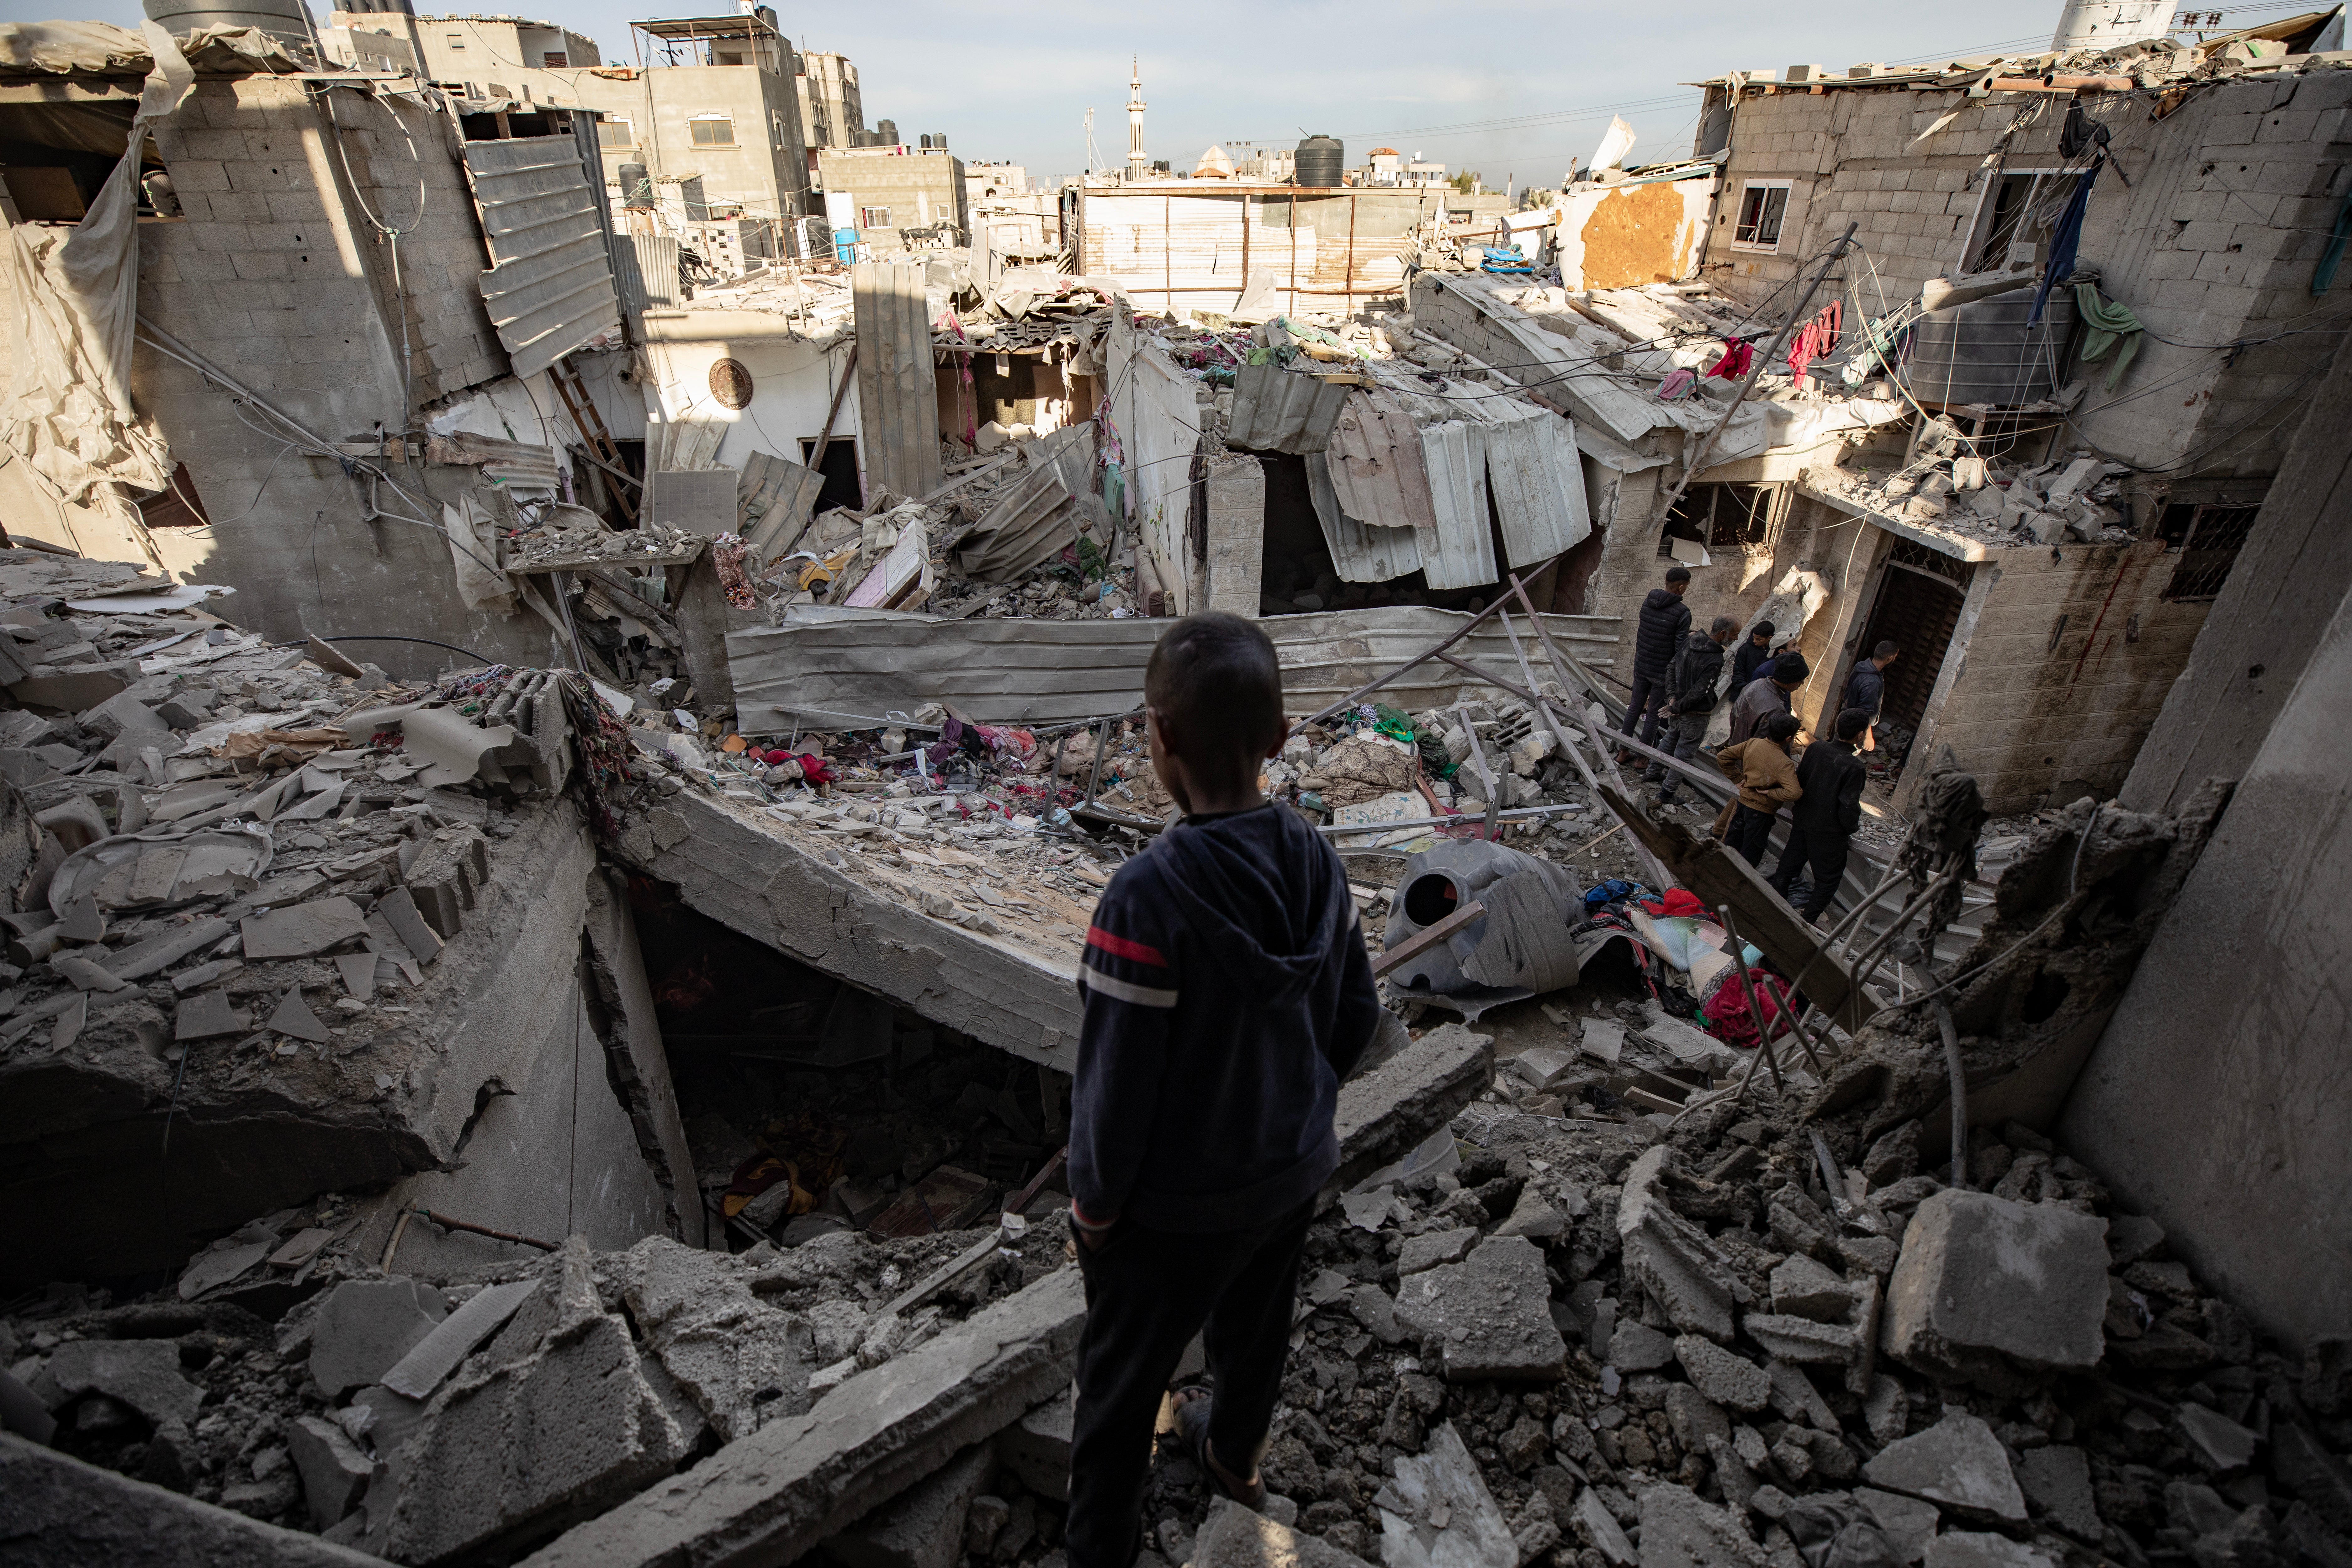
(1951, 1033)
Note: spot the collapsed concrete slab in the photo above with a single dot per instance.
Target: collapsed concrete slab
(1959, 1464)
(1674, 1259)
(775, 1494)
(55, 1509)
(855, 911)
(1986, 1287)
(1487, 1316)
(478, 1052)
(1387, 1112)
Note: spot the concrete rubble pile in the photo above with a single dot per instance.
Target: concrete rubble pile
(2070, 498)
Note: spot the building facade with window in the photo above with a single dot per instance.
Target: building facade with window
(506, 57)
(833, 113)
(717, 101)
(897, 191)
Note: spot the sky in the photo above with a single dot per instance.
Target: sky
(1516, 92)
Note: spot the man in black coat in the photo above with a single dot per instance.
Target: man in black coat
(1690, 700)
(1753, 652)
(1866, 688)
(1663, 622)
(1823, 818)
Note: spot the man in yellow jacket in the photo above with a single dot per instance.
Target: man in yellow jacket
(1766, 778)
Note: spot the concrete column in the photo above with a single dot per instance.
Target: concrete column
(1236, 533)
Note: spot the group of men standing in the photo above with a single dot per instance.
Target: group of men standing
(1678, 680)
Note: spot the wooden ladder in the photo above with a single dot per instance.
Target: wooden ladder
(571, 388)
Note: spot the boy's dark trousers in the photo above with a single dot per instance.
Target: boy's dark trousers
(1148, 1293)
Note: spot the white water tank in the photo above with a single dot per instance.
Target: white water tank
(2110, 24)
(287, 21)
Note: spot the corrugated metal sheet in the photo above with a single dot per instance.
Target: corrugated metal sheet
(1539, 486)
(699, 500)
(1046, 672)
(1376, 467)
(1359, 555)
(550, 287)
(1459, 551)
(1275, 410)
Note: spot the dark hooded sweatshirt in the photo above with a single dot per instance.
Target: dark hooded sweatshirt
(1227, 993)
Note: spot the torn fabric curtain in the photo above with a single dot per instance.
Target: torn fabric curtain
(77, 311)
(2109, 327)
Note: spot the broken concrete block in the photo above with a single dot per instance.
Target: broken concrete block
(1958, 1464)
(1804, 1289)
(922, 1527)
(61, 1509)
(1037, 1449)
(217, 1265)
(334, 1470)
(365, 1326)
(1681, 1530)
(1595, 1523)
(398, 909)
(1886, 1410)
(418, 1372)
(358, 970)
(294, 1018)
(2130, 1239)
(2057, 1480)
(1982, 1548)
(1386, 1113)
(1436, 1512)
(743, 1362)
(1375, 1309)
(1695, 1419)
(1542, 1066)
(1851, 1344)
(1487, 1316)
(1636, 1347)
(559, 1416)
(1907, 1523)
(1672, 1258)
(1723, 1377)
(1437, 1246)
(206, 1015)
(142, 1374)
(1532, 1217)
(1234, 1537)
(1983, 1282)
(2219, 1444)
(773, 1495)
(1794, 1396)
(300, 931)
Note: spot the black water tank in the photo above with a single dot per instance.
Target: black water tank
(1322, 161)
(635, 190)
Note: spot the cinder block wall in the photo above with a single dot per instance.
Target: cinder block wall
(2214, 240)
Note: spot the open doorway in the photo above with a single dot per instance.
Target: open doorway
(1917, 608)
(840, 470)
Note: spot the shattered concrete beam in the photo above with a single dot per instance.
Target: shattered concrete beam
(769, 1497)
(56, 1509)
(1386, 1113)
(742, 870)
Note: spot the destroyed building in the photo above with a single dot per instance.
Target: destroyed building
(543, 913)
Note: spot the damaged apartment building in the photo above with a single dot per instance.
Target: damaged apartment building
(548, 827)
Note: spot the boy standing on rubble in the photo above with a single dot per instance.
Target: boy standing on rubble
(1767, 778)
(1227, 993)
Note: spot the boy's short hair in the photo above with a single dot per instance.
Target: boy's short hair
(1677, 574)
(1791, 670)
(1887, 650)
(1778, 727)
(1763, 629)
(1216, 676)
(1853, 723)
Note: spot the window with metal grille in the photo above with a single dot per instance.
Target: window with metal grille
(873, 217)
(2208, 539)
(1761, 208)
(712, 130)
(616, 132)
(1919, 558)
(1726, 517)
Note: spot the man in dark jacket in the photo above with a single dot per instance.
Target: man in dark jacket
(1753, 652)
(1227, 994)
(1866, 688)
(1823, 818)
(1658, 633)
(1690, 700)
(1768, 694)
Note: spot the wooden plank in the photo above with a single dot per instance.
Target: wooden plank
(778, 497)
(1427, 937)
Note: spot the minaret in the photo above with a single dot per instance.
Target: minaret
(1137, 166)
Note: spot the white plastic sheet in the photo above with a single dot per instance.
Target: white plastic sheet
(76, 307)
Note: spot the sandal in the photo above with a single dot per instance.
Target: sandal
(1193, 1427)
